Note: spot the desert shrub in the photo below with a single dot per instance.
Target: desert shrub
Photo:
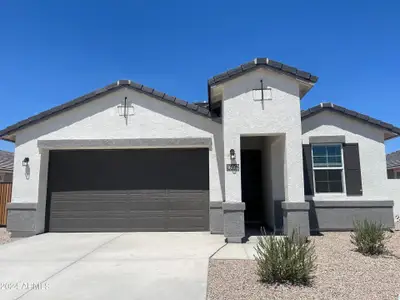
(369, 237)
(289, 259)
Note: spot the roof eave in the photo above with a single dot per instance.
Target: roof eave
(196, 109)
(263, 63)
(395, 131)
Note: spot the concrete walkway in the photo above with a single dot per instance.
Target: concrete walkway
(237, 251)
(107, 266)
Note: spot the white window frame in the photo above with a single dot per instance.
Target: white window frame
(344, 192)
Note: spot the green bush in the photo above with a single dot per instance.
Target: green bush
(369, 237)
(288, 259)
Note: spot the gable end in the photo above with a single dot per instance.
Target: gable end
(194, 108)
(351, 113)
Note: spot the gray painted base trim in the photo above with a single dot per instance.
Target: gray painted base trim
(295, 218)
(234, 206)
(216, 204)
(125, 143)
(295, 206)
(21, 206)
(335, 204)
(21, 219)
(340, 215)
(22, 234)
(234, 221)
(216, 218)
(236, 240)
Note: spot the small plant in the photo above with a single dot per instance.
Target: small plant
(289, 259)
(369, 237)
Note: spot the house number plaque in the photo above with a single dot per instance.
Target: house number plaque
(232, 167)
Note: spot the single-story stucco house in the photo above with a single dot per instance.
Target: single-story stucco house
(6, 166)
(127, 157)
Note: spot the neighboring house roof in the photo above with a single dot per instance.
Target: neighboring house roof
(393, 160)
(197, 109)
(262, 62)
(333, 107)
(6, 161)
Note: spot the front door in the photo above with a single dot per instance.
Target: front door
(252, 186)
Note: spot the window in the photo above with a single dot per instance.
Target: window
(328, 168)
(397, 174)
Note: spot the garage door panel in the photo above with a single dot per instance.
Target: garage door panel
(71, 224)
(86, 202)
(186, 223)
(150, 223)
(129, 190)
(151, 169)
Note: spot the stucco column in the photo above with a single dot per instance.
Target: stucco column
(295, 209)
(233, 207)
(293, 168)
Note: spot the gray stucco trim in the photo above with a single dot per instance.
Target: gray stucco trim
(21, 219)
(125, 143)
(234, 206)
(21, 206)
(340, 215)
(234, 230)
(350, 204)
(22, 234)
(296, 217)
(295, 206)
(327, 139)
(216, 218)
(215, 204)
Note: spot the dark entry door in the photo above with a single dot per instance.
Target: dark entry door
(128, 190)
(252, 186)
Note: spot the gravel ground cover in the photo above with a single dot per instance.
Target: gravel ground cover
(341, 273)
(4, 236)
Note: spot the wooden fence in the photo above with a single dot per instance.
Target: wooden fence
(5, 197)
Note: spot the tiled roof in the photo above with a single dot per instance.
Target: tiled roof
(330, 106)
(393, 159)
(194, 108)
(6, 160)
(262, 62)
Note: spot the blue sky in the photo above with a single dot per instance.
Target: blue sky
(54, 51)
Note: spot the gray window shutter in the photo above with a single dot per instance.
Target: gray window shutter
(352, 169)
(308, 171)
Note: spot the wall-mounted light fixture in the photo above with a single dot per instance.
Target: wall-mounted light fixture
(232, 154)
(25, 161)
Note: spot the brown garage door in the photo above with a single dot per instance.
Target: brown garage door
(128, 190)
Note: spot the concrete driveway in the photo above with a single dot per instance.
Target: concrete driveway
(107, 266)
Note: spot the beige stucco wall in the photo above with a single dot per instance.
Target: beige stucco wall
(100, 119)
(242, 116)
(393, 190)
(370, 140)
